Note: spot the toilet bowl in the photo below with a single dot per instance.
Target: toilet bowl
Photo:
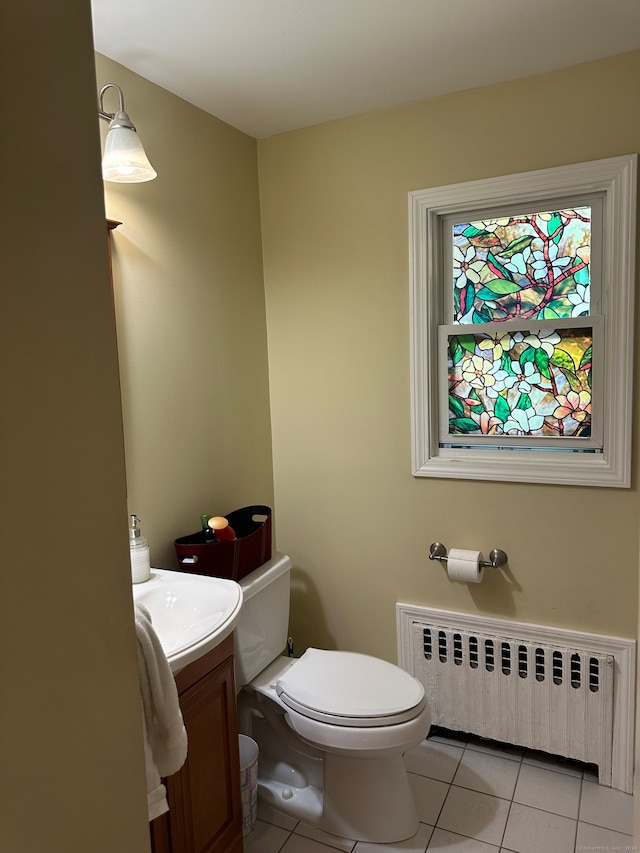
(331, 726)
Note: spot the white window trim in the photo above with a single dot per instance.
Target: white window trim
(616, 179)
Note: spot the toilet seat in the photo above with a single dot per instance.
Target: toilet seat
(350, 689)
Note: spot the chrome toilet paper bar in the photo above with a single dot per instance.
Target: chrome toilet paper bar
(496, 560)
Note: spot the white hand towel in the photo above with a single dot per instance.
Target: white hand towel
(165, 737)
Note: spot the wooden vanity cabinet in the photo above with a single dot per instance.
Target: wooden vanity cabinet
(205, 810)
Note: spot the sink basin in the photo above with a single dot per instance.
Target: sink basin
(191, 614)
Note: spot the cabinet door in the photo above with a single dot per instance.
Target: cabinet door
(160, 837)
(204, 797)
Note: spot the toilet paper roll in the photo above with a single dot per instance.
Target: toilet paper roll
(465, 565)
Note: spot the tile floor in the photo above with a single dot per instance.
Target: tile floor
(481, 797)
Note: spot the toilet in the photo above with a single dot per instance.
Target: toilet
(331, 726)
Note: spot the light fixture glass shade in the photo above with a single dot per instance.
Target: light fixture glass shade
(124, 159)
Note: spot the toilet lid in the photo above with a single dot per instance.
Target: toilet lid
(347, 688)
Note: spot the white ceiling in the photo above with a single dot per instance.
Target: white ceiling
(267, 66)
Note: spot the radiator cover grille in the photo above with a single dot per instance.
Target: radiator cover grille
(559, 700)
(509, 682)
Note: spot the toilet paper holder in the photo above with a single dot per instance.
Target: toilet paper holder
(497, 558)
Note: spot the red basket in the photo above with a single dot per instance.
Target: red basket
(235, 559)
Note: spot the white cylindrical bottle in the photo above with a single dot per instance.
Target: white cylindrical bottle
(139, 551)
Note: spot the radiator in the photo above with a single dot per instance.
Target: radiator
(542, 688)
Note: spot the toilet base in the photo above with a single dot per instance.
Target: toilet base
(368, 799)
(362, 795)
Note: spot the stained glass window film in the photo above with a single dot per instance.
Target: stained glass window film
(521, 383)
(474, 277)
(529, 266)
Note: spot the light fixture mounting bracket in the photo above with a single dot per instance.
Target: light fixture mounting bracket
(119, 118)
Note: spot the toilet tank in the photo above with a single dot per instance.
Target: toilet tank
(260, 634)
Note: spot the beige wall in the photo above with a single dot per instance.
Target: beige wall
(72, 775)
(187, 268)
(356, 523)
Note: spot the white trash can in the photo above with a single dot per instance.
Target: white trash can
(248, 782)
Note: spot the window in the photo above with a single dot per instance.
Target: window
(522, 324)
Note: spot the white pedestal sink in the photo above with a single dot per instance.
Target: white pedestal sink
(191, 614)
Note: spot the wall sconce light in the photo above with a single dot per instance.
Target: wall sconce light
(124, 159)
